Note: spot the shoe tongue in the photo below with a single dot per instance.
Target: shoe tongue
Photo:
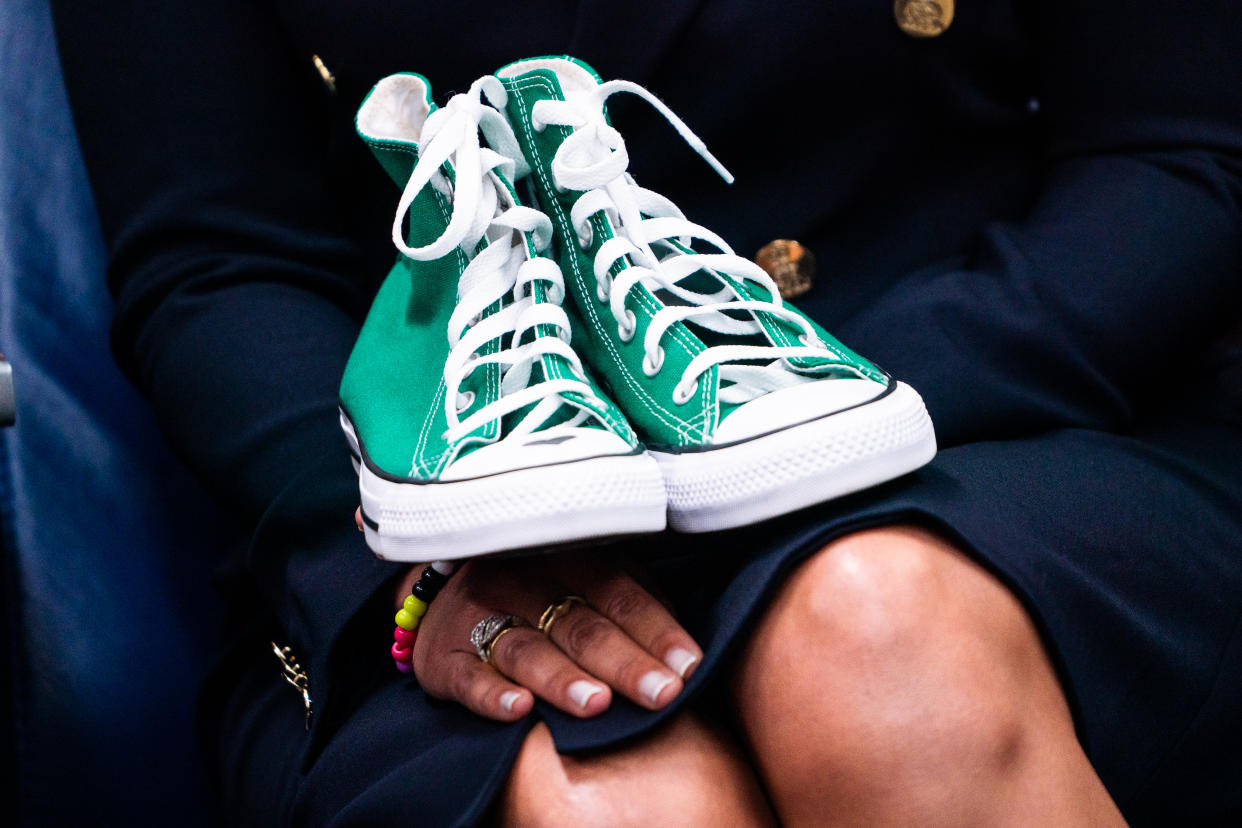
(572, 76)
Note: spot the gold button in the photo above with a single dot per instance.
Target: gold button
(789, 264)
(923, 18)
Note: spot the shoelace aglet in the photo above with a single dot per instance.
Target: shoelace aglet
(707, 156)
(604, 90)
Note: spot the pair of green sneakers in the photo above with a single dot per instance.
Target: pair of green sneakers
(498, 399)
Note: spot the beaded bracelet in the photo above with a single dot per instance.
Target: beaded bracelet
(411, 613)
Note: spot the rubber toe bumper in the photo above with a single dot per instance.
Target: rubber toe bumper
(720, 487)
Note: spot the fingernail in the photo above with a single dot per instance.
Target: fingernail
(508, 699)
(651, 684)
(582, 690)
(681, 660)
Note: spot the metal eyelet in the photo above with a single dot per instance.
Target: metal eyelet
(682, 396)
(464, 401)
(586, 237)
(626, 331)
(651, 368)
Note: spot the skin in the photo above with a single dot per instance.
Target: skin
(892, 681)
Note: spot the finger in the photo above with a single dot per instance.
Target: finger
(526, 657)
(604, 650)
(621, 600)
(461, 677)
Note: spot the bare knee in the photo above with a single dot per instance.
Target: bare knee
(685, 769)
(897, 653)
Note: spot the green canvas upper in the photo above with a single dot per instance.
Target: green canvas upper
(648, 400)
(394, 387)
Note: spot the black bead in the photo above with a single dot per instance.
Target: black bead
(429, 584)
(433, 576)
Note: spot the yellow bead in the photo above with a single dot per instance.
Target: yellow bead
(406, 620)
(416, 606)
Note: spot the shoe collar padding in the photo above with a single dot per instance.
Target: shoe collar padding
(396, 109)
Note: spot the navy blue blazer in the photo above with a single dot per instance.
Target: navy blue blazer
(1034, 218)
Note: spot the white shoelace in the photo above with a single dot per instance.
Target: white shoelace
(504, 270)
(594, 159)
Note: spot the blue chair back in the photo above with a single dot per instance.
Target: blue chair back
(108, 544)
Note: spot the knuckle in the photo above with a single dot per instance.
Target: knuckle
(563, 678)
(669, 639)
(486, 695)
(584, 632)
(626, 601)
(465, 685)
(513, 648)
(630, 672)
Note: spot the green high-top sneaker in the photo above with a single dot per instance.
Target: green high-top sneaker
(751, 409)
(473, 425)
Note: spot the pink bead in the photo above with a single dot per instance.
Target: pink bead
(402, 654)
(404, 666)
(403, 637)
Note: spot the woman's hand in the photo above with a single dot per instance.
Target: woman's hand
(618, 639)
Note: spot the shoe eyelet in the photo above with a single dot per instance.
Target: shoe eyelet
(626, 331)
(810, 342)
(586, 237)
(464, 401)
(651, 368)
(603, 290)
(682, 395)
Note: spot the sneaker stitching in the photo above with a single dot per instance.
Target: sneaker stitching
(680, 425)
(433, 465)
(424, 465)
(558, 216)
(651, 305)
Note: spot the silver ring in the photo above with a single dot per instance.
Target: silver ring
(485, 633)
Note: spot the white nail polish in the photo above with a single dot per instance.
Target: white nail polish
(651, 684)
(681, 660)
(582, 690)
(508, 699)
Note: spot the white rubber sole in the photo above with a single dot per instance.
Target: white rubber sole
(787, 470)
(537, 506)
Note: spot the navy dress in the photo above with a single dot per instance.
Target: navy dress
(1034, 219)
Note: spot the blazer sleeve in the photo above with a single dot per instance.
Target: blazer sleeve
(1097, 303)
(236, 302)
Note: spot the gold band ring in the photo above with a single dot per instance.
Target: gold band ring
(491, 645)
(488, 631)
(561, 606)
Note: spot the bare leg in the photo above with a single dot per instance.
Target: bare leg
(895, 682)
(684, 774)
